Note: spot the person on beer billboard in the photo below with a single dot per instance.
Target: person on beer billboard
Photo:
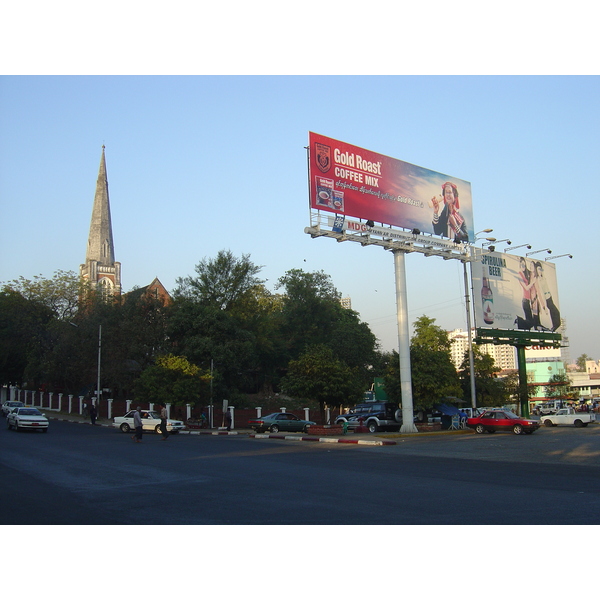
(449, 223)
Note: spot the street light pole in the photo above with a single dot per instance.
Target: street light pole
(98, 388)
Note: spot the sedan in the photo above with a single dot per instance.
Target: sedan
(502, 420)
(8, 406)
(27, 417)
(150, 422)
(280, 422)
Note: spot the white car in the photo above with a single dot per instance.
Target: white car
(27, 417)
(8, 406)
(150, 422)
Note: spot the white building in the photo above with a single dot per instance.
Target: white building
(505, 356)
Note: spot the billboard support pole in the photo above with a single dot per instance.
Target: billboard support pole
(470, 337)
(408, 425)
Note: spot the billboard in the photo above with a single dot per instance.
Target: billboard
(515, 292)
(354, 182)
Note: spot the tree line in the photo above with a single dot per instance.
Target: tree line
(223, 335)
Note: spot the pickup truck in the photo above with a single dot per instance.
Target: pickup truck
(568, 416)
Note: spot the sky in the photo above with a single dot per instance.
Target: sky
(197, 164)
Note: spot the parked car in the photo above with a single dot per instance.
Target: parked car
(280, 422)
(27, 417)
(150, 422)
(502, 420)
(376, 416)
(8, 406)
(568, 416)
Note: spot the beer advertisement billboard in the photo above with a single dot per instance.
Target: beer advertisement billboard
(355, 182)
(515, 292)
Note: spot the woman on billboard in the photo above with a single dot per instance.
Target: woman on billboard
(545, 296)
(527, 280)
(450, 223)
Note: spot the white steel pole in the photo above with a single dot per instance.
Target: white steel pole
(408, 424)
(470, 337)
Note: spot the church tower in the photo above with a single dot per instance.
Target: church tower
(100, 268)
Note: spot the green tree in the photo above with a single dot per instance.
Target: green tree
(559, 388)
(581, 366)
(173, 379)
(432, 371)
(221, 282)
(312, 314)
(23, 325)
(319, 375)
(61, 294)
(489, 388)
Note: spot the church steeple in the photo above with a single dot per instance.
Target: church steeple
(100, 267)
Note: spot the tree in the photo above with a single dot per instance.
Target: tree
(432, 371)
(172, 379)
(559, 388)
(581, 362)
(319, 375)
(61, 294)
(490, 390)
(23, 325)
(221, 282)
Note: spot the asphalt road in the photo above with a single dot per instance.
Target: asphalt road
(79, 474)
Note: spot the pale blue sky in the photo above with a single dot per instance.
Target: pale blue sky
(201, 163)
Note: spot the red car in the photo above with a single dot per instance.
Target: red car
(502, 420)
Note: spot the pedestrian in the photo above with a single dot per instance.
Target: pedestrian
(163, 422)
(93, 414)
(228, 419)
(137, 423)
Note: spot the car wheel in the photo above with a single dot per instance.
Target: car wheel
(274, 429)
(372, 426)
(548, 423)
(125, 428)
(480, 429)
(157, 429)
(518, 429)
(578, 423)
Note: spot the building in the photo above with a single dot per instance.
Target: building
(155, 290)
(505, 356)
(101, 269)
(346, 302)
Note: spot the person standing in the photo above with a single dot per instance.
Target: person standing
(450, 223)
(137, 423)
(163, 422)
(93, 414)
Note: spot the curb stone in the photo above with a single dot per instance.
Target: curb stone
(295, 438)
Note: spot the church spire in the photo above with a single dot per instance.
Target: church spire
(100, 267)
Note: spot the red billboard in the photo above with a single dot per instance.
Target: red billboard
(355, 182)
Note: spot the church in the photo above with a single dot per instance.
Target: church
(101, 270)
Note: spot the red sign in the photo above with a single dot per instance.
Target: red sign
(359, 183)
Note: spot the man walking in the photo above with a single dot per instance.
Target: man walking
(137, 423)
(163, 422)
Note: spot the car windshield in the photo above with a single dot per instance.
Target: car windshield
(30, 412)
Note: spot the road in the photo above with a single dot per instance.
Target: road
(79, 474)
